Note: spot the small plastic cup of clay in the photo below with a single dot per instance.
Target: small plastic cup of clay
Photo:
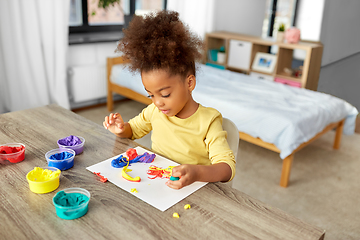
(62, 159)
(78, 148)
(43, 180)
(12, 153)
(71, 203)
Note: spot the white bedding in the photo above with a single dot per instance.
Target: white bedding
(279, 114)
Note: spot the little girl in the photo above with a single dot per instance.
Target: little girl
(164, 51)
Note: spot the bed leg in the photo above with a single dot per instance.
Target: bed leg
(286, 168)
(338, 135)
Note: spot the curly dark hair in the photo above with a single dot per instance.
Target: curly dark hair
(161, 41)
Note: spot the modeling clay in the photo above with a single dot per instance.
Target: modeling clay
(119, 162)
(102, 178)
(8, 150)
(187, 206)
(147, 158)
(61, 164)
(174, 178)
(127, 177)
(160, 172)
(134, 190)
(71, 204)
(131, 153)
(42, 175)
(176, 215)
(61, 156)
(144, 158)
(70, 199)
(13, 158)
(70, 141)
(168, 171)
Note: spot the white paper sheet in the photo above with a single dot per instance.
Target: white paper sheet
(151, 191)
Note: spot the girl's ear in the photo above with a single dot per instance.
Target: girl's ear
(191, 82)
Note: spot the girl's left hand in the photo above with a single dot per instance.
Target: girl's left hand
(187, 174)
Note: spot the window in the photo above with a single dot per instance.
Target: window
(278, 12)
(86, 16)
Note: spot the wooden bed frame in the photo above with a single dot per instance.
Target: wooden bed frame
(287, 162)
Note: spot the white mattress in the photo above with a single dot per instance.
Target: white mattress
(279, 114)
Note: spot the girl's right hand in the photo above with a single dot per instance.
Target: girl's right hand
(114, 123)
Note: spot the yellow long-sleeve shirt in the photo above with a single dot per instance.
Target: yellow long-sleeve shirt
(198, 139)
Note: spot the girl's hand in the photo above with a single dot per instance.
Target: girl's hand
(187, 174)
(114, 123)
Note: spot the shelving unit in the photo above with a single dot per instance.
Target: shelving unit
(240, 52)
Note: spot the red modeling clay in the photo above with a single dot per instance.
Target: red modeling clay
(102, 178)
(8, 150)
(131, 153)
(13, 158)
(159, 172)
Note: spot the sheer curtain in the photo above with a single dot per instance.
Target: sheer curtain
(33, 47)
(199, 14)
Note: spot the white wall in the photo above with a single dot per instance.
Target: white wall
(240, 16)
(340, 30)
(87, 71)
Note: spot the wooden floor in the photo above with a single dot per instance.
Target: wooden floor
(357, 127)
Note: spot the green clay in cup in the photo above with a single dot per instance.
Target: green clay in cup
(71, 203)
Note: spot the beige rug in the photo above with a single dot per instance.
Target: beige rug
(324, 183)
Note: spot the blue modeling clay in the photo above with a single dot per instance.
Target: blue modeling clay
(61, 156)
(174, 178)
(62, 161)
(119, 162)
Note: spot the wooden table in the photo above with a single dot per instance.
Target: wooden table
(217, 211)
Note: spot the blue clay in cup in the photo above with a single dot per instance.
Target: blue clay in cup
(62, 159)
(71, 203)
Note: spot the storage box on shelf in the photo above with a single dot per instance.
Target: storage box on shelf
(261, 76)
(213, 47)
(240, 52)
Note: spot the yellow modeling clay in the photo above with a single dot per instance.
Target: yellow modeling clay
(43, 175)
(187, 206)
(176, 215)
(160, 172)
(133, 190)
(127, 177)
(168, 171)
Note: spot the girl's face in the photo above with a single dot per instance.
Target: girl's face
(170, 94)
